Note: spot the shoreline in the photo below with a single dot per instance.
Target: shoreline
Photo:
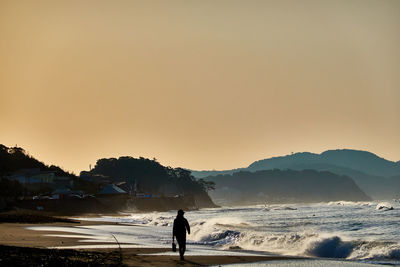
(19, 245)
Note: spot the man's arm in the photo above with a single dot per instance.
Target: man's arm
(187, 226)
(173, 231)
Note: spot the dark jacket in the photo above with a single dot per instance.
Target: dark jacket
(181, 225)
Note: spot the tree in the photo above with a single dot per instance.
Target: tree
(206, 185)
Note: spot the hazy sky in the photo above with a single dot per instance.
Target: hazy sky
(198, 84)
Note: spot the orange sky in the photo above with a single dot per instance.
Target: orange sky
(198, 84)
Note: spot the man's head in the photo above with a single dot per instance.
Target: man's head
(180, 212)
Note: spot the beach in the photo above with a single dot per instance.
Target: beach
(24, 247)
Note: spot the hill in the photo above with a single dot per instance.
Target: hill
(374, 175)
(13, 159)
(151, 178)
(362, 161)
(284, 186)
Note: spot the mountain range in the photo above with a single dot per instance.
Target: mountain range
(376, 176)
(284, 186)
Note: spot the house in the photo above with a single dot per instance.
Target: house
(112, 189)
(113, 197)
(32, 176)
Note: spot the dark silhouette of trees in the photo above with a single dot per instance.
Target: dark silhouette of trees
(206, 185)
(15, 158)
(151, 177)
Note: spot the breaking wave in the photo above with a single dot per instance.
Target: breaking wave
(232, 233)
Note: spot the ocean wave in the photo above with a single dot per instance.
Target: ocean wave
(220, 238)
(233, 232)
(149, 219)
(230, 233)
(335, 247)
(332, 247)
(217, 231)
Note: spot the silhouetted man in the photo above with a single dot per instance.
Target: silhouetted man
(179, 231)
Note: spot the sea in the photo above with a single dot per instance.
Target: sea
(354, 232)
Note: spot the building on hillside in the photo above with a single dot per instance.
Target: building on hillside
(112, 189)
(113, 197)
(32, 176)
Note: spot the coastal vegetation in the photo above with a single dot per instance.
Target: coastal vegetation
(149, 177)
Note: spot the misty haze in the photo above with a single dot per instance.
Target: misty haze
(200, 133)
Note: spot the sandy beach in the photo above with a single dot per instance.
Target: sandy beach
(21, 246)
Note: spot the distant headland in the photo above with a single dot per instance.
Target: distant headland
(377, 177)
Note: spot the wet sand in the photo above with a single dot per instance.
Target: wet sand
(23, 246)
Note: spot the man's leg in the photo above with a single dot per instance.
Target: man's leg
(182, 247)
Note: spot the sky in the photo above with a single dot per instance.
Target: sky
(198, 84)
